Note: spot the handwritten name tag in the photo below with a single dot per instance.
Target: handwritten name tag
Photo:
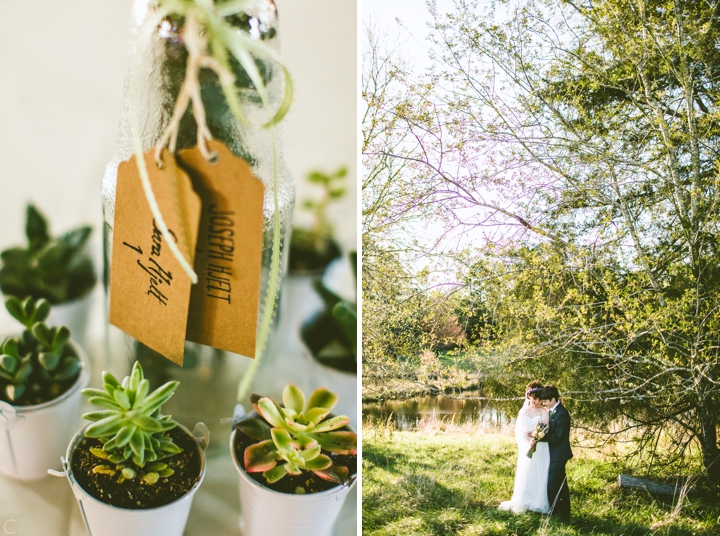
(224, 304)
(149, 291)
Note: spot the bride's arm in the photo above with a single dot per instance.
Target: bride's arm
(520, 433)
(545, 416)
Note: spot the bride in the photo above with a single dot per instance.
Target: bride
(531, 475)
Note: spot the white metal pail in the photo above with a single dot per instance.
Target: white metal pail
(32, 438)
(102, 519)
(268, 512)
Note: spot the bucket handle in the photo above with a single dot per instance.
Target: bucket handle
(9, 415)
(349, 482)
(75, 488)
(238, 415)
(201, 435)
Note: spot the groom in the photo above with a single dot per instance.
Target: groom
(558, 438)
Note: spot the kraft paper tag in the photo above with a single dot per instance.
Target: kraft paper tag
(149, 291)
(224, 304)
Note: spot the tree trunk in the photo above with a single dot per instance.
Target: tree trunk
(708, 442)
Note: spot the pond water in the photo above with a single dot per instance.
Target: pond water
(468, 407)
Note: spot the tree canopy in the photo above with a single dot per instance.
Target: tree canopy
(581, 139)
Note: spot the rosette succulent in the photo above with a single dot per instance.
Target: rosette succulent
(332, 334)
(297, 436)
(314, 247)
(133, 434)
(40, 364)
(58, 269)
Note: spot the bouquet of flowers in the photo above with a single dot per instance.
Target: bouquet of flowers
(541, 429)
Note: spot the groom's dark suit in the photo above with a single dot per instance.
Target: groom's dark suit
(558, 438)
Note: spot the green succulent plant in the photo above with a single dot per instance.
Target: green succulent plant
(134, 436)
(332, 335)
(296, 436)
(40, 364)
(58, 269)
(314, 247)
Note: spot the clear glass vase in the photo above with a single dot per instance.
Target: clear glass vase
(209, 377)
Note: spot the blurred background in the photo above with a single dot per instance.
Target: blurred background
(62, 66)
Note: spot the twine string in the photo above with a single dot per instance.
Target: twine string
(196, 45)
(209, 40)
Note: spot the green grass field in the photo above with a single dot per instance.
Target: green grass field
(420, 483)
(459, 360)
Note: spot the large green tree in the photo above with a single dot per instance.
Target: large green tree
(390, 322)
(583, 138)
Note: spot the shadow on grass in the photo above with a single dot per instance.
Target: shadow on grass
(383, 458)
(489, 521)
(428, 485)
(590, 524)
(393, 461)
(413, 495)
(417, 504)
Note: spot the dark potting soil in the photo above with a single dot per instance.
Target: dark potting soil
(136, 493)
(308, 481)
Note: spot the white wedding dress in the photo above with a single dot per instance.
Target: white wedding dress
(531, 475)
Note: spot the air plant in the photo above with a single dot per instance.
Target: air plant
(297, 436)
(39, 365)
(134, 436)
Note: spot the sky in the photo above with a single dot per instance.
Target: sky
(408, 20)
(413, 15)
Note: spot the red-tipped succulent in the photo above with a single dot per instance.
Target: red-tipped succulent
(296, 436)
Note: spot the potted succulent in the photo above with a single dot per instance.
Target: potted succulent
(133, 467)
(57, 269)
(331, 335)
(41, 375)
(312, 248)
(296, 459)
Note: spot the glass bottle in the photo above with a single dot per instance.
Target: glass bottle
(209, 377)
